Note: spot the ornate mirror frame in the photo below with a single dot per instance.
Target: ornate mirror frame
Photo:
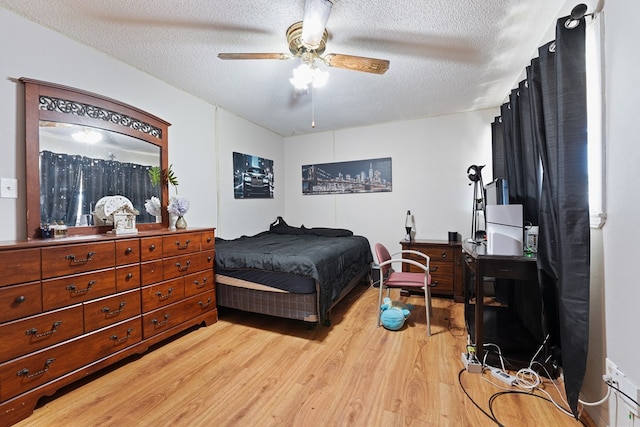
(46, 101)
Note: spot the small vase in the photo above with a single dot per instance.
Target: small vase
(172, 221)
(181, 223)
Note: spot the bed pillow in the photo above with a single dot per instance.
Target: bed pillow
(279, 226)
(328, 232)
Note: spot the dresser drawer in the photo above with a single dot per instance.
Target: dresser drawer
(72, 259)
(151, 272)
(20, 300)
(172, 315)
(199, 282)
(19, 266)
(161, 294)
(33, 333)
(79, 288)
(127, 251)
(207, 260)
(128, 277)
(31, 371)
(109, 310)
(180, 244)
(181, 265)
(207, 240)
(150, 248)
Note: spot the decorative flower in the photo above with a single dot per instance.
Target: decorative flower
(152, 206)
(178, 206)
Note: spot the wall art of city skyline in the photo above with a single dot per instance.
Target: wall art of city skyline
(357, 176)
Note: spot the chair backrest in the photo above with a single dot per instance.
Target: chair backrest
(383, 255)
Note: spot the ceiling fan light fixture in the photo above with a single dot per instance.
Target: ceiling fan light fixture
(87, 136)
(302, 76)
(307, 74)
(316, 15)
(320, 77)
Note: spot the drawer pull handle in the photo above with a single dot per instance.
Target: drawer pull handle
(208, 239)
(200, 285)
(72, 258)
(444, 254)
(209, 259)
(25, 372)
(128, 251)
(73, 289)
(34, 331)
(433, 268)
(108, 311)
(123, 339)
(159, 323)
(434, 283)
(20, 299)
(185, 268)
(129, 276)
(152, 247)
(168, 295)
(205, 305)
(185, 246)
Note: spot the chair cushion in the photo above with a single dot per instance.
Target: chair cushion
(406, 279)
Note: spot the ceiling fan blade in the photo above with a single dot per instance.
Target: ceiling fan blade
(254, 56)
(357, 63)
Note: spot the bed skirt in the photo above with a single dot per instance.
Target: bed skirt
(258, 299)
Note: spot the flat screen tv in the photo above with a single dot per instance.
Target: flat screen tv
(497, 192)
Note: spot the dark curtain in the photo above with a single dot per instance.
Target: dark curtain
(60, 184)
(545, 154)
(68, 181)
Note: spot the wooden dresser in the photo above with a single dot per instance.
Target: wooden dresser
(70, 307)
(445, 265)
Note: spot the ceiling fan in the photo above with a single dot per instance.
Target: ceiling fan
(307, 40)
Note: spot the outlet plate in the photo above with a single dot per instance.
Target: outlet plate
(621, 381)
(9, 188)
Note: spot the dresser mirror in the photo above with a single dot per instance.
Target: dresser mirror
(81, 147)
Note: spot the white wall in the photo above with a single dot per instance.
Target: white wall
(239, 217)
(30, 50)
(621, 232)
(429, 156)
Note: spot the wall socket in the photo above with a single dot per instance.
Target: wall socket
(621, 381)
(9, 188)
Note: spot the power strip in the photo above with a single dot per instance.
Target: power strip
(503, 376)
(471, 364)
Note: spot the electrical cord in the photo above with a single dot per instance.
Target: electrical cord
(492, 418)
(621, 392)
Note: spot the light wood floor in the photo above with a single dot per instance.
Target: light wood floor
(253, 370)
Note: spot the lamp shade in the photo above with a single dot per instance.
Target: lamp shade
(316, 15)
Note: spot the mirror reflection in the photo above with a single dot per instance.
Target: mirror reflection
(81, 164)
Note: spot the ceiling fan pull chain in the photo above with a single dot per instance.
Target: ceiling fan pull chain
(313, 107)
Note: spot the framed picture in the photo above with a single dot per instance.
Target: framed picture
(252, 177)
(358, 176)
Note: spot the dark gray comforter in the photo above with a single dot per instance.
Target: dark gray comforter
(331, 261)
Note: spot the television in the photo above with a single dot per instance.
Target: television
(497, 192)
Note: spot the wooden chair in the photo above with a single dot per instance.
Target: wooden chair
(404, 280)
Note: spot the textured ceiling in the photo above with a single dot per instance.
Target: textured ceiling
(446, 56)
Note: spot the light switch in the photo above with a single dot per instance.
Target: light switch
(9, 188)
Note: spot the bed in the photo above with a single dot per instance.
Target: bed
(292, 272)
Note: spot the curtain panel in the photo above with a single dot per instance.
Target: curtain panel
(540, 143)
(71, 185)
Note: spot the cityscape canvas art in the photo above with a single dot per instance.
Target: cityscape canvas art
(357, 176)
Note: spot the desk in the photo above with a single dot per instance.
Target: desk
(522, 268)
